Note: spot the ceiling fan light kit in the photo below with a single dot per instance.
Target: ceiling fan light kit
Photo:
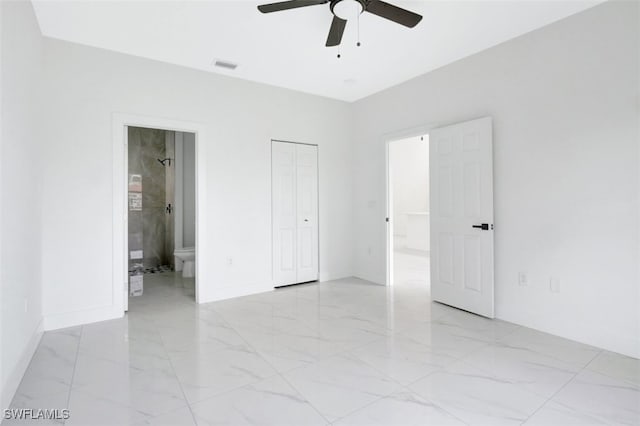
(348, 10)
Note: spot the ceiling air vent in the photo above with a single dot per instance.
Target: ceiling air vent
(225, 65)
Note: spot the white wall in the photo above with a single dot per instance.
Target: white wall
(20, 193)
(565, 101)
(409, 161)
(84, 86)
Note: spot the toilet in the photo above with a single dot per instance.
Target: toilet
(186, 260)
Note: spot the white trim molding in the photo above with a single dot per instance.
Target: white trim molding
(120, 122)
(14, 377)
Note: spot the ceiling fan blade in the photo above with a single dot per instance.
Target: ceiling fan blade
(336, 31)
(286, 5)
(393, 13)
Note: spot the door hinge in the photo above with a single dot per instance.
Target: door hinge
(386, 219)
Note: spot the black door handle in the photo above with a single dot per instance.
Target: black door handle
(483, 226)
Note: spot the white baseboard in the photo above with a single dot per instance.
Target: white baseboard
(574, 329)
(370, 278)
(71, 319)
(230, 292)
(326, 276)
(15, 376)
(247, 290)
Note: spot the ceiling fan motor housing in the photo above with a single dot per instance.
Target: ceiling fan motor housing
(341, 8)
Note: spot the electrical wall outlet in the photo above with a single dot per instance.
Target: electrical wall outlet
(229, 261)
(554, 285)
(522, 279)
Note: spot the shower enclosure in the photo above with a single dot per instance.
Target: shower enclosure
(151, 200)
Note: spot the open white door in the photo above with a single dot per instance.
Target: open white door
(462, 216)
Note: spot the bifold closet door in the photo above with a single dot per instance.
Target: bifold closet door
(307, 212)
(294, 212)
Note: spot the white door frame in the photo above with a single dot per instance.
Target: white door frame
(120, 122)
(390, 138)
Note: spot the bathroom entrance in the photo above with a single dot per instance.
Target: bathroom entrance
(161, 211)
(408, 212)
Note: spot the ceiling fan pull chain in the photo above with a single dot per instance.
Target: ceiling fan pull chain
(358, 43)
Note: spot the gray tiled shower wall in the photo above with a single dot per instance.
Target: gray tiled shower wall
(151, 229)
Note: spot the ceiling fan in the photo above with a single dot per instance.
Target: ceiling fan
(343, 10)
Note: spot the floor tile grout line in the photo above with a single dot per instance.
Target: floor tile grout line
(360, 408)
(29, 364)
(235, 388)
(25, 371)
(406, 389)
(173, 369)
(73, 373)
(305, 398)
(602, 351)
(563, 386)
(339, 353)
(277, 372)
(349, 351)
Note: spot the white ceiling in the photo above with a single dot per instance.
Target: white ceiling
(287, 49)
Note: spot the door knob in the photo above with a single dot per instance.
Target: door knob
(483, 226)
(306, 220)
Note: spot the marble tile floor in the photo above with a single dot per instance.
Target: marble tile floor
(411, 268)
(345, 352)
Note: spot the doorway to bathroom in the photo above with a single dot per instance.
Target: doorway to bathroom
(121, 122)
(161, 211)
(408, 212)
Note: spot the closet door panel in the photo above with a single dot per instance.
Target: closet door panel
(307, 212)
(283, 178)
